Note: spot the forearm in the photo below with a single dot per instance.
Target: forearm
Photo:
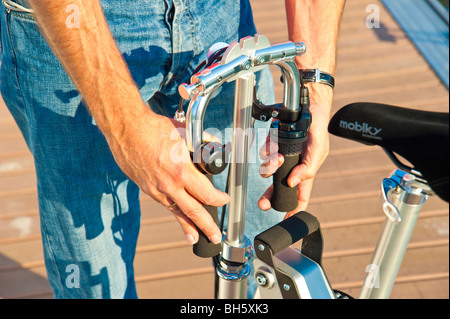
(316, 23)
(92, 60)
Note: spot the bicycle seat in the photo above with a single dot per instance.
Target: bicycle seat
(420, 137)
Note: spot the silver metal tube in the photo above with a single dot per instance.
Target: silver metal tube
(291, 93)
(239, 159)
(283, 55)
(220, 73)
(232, 285)
(232, 289)
(390, 249)
(194, 119)
(278, 52)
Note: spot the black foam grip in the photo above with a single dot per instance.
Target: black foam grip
(204, 247)
(289, 231)
(284, 198)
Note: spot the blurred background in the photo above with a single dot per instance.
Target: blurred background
(401, 60)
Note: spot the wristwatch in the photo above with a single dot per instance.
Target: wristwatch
(316, 76)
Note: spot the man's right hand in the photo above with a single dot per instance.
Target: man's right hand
(153, 154)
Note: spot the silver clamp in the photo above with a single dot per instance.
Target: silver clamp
(405, 187)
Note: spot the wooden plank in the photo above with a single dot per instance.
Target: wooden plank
(414, 270)
(195, 286)
(434, 46)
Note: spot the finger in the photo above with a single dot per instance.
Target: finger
(264, 201)
(270, 166)
(268, 149)
(210, 138)
(300, 173)
(204, 191)
(309, 167)
(303, 195)
(152, 191)
(186, 224)
(197, 214)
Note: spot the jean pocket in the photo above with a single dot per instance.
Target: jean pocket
(9, 81)
(9, 61)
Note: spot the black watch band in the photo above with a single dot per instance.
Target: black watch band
(316, 76)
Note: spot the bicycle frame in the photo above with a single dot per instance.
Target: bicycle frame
(239, 63)
(285, 272)
(403, 197)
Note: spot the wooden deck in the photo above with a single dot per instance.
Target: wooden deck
(378, 65)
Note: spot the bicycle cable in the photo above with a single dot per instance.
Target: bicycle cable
(217, 56)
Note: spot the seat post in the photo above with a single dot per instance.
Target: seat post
(404, 197)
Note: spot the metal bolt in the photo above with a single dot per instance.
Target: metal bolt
(408, 178)
(261, 60)
(275, 113)
(218, 162)
(246, 65)
(261, 247)
(286, 287)
(261, 280)
(300, 48)
(263, 117)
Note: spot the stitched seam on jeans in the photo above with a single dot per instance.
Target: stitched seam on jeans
(170, 25)
(22, 15)
(177, 76)
(14, 57)
(193, 31)
(176, 41)
(53, 260)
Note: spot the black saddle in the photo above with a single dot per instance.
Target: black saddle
(420, 137)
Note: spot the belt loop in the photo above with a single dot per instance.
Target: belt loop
(14, 6)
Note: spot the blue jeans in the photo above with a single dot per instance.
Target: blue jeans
(89, 209)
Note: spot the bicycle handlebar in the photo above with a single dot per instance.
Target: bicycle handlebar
(249, 56)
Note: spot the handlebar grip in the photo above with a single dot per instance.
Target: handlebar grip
(284, 198)
(204, 247)
(288, 232)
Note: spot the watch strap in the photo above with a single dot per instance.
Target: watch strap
(316, 76)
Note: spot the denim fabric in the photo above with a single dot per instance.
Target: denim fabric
(89, 210)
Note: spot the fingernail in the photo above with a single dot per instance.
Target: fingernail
(294, 182)
(190, 239)
(226, 197)
(215, 239)
(264, 204)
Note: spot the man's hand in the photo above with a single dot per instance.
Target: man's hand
(316, 23)
(313, 156)
(154, 155)
(139, 139)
